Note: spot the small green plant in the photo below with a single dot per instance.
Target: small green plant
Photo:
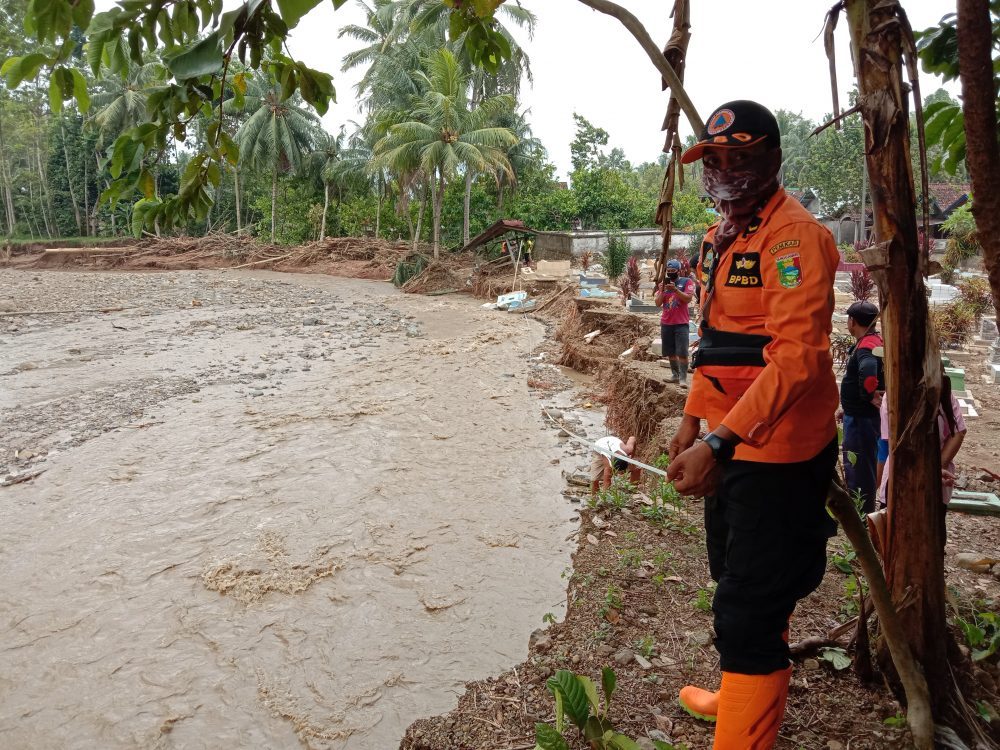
(843, 562)
(577, 700)
(548, 618)
(896, 722)
(631, 537)
(629, 558)
(617, 496)
(659, 580)
(703, 600)
(982, 633)
(645, 645)
(986, 711)
(616, 256)
(602, 633)
(849, 606)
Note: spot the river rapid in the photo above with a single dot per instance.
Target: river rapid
(271, 510)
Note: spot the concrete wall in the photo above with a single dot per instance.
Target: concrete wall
(566, 245)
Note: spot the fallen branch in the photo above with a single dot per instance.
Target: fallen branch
(258, 262)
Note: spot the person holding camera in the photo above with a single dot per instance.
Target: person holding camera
(673, 296)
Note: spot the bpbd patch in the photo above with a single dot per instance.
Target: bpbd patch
(744, 271)
(789, 270)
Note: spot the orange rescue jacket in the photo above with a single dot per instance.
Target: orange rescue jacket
(764, 367)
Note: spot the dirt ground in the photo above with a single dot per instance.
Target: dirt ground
(634, 595)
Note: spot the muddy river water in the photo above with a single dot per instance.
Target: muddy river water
(273, 510)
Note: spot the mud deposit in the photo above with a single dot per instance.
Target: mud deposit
(269, 511)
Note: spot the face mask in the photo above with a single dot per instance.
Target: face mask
(754, 180)
(672, 275)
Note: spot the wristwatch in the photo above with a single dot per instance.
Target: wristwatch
(722, 449)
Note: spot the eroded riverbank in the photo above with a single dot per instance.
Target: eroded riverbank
(274, 510)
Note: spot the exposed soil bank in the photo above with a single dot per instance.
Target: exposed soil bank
(273, 510)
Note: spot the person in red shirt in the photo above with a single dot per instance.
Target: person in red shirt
(674, 295)
(764, 383)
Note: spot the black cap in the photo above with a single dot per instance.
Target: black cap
(736, 125)
(863, 312)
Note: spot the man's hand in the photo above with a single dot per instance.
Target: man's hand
(687, 433)
(947, 478)
(694, 472)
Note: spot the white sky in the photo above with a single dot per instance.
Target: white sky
(586, 62)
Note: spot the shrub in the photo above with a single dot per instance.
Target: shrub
(953, 323)
(629, 281)
(962, 243)
(619, 251)
(862, 285)
(586, 259)
(977, 295)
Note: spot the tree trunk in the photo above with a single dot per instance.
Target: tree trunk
(43, 189)
(274, 200)
(69, 181)
(236, 192)
(5, 184)
(466, 207)
(914, 555)
(438, 201)
(499, 202)
(420, 218)
(86, 198)
(326, 205)
(975, 65)
(378, 214)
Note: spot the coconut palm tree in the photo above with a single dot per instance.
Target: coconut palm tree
(528, 150)
(121, 102)
(443, 135)
(276, 136)
(324, 160)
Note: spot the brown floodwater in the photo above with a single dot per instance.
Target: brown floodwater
(251, 532)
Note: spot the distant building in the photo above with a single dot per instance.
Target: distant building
(945, 198)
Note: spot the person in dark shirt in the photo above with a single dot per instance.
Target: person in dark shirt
(860, 396)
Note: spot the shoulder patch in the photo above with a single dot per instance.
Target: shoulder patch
(789, 270)
(783, 246)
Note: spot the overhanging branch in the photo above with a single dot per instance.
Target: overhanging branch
(637, 30)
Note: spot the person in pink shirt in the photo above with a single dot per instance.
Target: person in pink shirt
(951, 429)
(674, 296)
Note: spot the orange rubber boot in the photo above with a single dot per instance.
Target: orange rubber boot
(751, 708)
(704, 704)
(701, 704)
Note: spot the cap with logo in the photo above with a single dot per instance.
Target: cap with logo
(736, 124)
(863, 312)
(674, 264)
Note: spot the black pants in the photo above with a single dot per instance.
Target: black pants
(767, 529)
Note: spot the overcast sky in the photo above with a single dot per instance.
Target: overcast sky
(585, 62)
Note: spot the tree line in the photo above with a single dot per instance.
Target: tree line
(443, 150)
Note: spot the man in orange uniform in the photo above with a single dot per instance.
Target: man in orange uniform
(765, 385)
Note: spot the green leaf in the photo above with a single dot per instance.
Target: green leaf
(80, 90)
(547, 738)
(560, 712)
(836, 656)
(17, 69)
(293, 10)
(205, 58)
(596, 728)
(574, 696)
(591, 690)
(609, 681)
(83, 11)
(55, 94)
(147, 184)
(622, 742)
